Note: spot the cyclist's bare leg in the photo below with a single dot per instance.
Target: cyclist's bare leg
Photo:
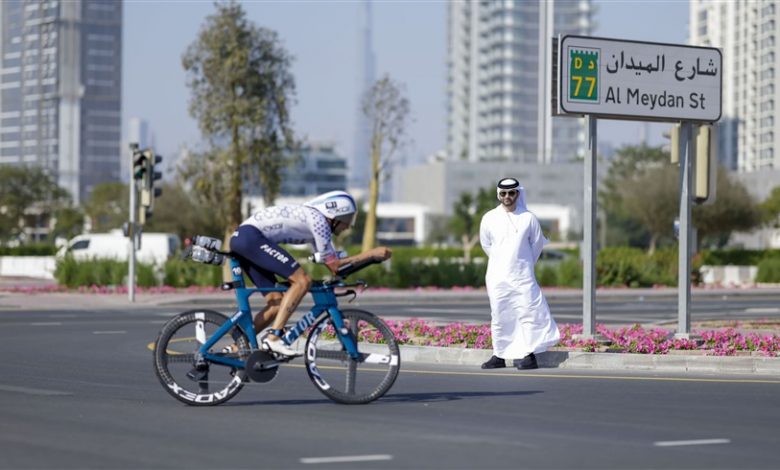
(265, 316)
(299, 285)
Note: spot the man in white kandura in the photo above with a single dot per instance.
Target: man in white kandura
(521, 324)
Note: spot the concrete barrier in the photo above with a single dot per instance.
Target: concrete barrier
(41, 267)
(729, 276)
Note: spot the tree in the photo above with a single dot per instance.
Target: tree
(653, 199)
(628, 163)
(387, 109)
(241, 85)
(468, 211)
(107, 206)
(733, 210)
(69, 222)
(26, 191)
(182, 214)
(770, 209)
(642, 192)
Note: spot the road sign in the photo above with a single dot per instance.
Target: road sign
(634, 80)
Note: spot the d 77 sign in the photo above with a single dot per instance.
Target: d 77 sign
(639, 80)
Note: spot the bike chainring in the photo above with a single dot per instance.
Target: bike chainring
(262, 366)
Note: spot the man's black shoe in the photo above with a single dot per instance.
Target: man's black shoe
(494, 362)
(528, 362)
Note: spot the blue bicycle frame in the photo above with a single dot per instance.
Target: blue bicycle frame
(324, 301)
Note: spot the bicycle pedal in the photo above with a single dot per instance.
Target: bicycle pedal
(198, 375)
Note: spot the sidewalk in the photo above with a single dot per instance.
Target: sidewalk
(577, 360)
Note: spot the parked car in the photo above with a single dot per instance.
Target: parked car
(155, 248)
(553, 257)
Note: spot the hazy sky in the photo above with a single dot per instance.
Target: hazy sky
(410, 44)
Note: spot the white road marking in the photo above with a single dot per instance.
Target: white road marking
(694, 442)
(32, 391)
(109, 332)
(762, 310)
(46, 323)
(347, 458)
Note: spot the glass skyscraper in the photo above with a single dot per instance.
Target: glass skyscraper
(747, 33)
(499, 84)
(60, 89)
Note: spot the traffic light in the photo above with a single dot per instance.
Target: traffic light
(706, 168)
(139, 164)
(674, 146)
(148, 191)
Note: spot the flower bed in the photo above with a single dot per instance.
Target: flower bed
(634, 339)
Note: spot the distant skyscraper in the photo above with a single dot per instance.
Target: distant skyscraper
(747, 33)
(60, 89)
(360, 158)
(139, 133)
(499, 62)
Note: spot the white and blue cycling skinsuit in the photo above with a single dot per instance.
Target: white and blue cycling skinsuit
(256, 242)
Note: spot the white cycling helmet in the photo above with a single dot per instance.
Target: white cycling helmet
(335, 205)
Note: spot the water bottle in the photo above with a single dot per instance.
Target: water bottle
(208, 243)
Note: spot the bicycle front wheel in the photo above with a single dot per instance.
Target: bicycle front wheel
(335, 373)
(184, 373)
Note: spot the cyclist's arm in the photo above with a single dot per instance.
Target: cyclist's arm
(380, 253)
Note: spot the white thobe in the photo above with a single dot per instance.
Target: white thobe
(520, 317)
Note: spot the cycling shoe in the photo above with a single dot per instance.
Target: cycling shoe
(279, 347)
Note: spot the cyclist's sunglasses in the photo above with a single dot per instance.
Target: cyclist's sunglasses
(511, 193)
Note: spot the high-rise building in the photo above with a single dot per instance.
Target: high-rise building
(361, 154)
(747, 33)
(139, 133)
(318, 170)
(60, 89)
(499, 84)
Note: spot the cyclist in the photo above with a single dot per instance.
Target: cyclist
(256, 246)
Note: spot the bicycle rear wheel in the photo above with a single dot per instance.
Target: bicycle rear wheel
(335, 373)
(184, 373)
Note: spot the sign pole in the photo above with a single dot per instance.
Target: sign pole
(589, 238)
(685, 240)
(131, 230)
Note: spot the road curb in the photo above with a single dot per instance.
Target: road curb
(578, 360)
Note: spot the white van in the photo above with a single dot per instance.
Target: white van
(155, 247)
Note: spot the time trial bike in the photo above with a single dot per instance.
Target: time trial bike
(203, 357)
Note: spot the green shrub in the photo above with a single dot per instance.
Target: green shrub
(183, 273)
(570, 273)
(546, 275)
(30, 249)
(768, 270)
(101, 272)
(622, 266)
(663, 266)
(736, 257)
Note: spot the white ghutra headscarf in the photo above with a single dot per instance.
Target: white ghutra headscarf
(507, 184)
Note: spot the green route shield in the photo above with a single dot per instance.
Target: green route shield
(584, 75)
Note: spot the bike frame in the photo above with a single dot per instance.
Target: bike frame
(325, 302)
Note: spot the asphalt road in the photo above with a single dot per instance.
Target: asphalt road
(610, 309)
(77, 390)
